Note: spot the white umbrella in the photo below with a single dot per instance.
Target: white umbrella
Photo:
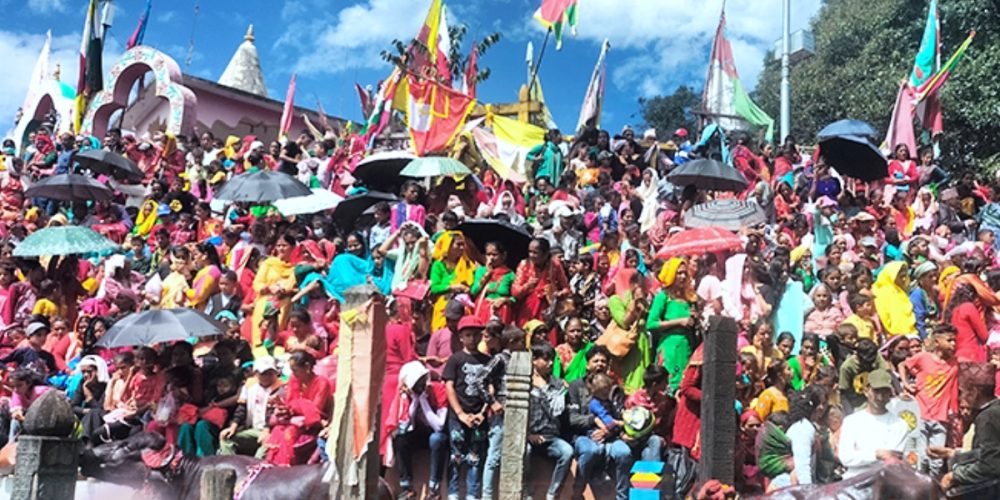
(319, 201)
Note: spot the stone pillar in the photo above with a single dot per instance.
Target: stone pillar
(515, 426)
(353, 444)
(47, 456)
(718, 396)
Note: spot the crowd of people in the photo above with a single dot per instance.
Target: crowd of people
(867, 312)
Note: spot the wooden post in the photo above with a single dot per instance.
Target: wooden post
(354, 466)
(217, 483)
(522, 109)
(718, 411)
(515, 426)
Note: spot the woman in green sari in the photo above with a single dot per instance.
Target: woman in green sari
(671, 321)
(571, 355)
(629, 310)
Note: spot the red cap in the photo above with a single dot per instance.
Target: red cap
(681, 132)
(470, 322)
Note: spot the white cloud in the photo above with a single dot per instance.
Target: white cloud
(166, 17)
(47, 6)
(328, 41)
(669, 36)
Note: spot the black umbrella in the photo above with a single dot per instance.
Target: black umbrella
(69, 187)
(352, 208)
(262, 186)
(482, 231)
(380, 171)
(727, 214)
(708, 175)
(159, 325)
(847, 127)
(855, 156)
(108, 163)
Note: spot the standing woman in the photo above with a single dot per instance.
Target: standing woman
(539, 281)
(452, 272)
(206, 280)
(671, 321)
(629, 311)
(492, 284)
(274, 284)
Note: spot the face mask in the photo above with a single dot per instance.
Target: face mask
(318, 232)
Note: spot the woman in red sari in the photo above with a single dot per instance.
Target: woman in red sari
(299, 415)
(539, 281)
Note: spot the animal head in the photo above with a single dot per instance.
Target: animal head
(121, 461)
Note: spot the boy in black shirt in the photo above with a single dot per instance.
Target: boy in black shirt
(467, 380)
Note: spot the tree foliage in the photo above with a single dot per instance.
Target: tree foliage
(670, 112)
(865, 48)
(401, 55)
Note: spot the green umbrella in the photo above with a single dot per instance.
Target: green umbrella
(434, 166)
(63, 240)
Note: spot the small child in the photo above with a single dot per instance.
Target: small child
(138, 255)
(606, 416)
(48, 295)
(863, 308)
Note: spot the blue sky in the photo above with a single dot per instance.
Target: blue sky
(656, 45)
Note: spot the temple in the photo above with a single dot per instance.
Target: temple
(146, 92)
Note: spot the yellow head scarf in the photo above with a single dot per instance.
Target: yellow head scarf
(464, 269)
(944, 277)
(798, 252)
(144, 223)
(669, 271)
(892, 302)
(229, 150)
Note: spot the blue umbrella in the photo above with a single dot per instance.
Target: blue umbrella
(847, 127)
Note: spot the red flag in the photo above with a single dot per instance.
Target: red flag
(366, 100)
(470, 73)
(435, 115)
(289, 110)
(901, 126)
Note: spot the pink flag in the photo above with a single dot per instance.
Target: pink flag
(470, 73)
(288, 112)
(901, 127)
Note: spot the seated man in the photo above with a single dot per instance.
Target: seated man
(247, 429)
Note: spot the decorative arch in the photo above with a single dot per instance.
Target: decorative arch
(54, 96)
(168, 82)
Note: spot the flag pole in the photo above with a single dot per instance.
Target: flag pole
(541, 54)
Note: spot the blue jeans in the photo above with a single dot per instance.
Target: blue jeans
(493, 456)
(562, 452)
(468, 447)
(405, 444)
(590, 456)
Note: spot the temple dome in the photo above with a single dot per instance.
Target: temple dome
(243, 71)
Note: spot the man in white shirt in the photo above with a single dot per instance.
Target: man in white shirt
(248, 429)
(872, 435)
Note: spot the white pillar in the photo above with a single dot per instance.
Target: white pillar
(786, 91)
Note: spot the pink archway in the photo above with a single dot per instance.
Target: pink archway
(168, 84)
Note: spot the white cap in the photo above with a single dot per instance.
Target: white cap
(264, 364)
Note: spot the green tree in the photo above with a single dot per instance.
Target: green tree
(670, 112)
(401, 55)
(865, 48)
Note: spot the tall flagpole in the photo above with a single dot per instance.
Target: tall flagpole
(786, 90)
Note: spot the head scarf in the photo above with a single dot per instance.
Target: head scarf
(650, 200)
(798, 252)
(98, 363)
(144, 222)
(622, 281)
(669, 271)
(732, 286)
(411, 373)
(464, 268)
(946, 273)
(923, 269)
(892, 302)
(229, 150)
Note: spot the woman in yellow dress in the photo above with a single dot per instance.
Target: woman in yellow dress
(275, 284)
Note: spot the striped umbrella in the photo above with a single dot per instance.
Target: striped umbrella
(727, 214)
(699, 241)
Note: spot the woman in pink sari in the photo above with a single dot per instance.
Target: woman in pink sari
(299, 415)
(539, 281)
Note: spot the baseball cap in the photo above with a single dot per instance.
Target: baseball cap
(261, 365)
(864, 217)
(868, 241)
(470, 322)
(879, 379)
(34, 328)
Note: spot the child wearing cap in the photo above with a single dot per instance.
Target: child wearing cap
(247, 427)
(33, 356)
